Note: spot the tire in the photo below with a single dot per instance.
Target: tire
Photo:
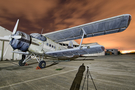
(21, 63)
(42, 64)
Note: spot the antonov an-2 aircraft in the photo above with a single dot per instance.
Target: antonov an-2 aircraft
(47, 45)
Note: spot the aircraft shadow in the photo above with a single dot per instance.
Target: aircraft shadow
(32, 63)
(54, 63)
(77, 80)
(13, 66)
(17, 67)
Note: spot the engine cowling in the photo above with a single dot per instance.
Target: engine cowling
(21, 44)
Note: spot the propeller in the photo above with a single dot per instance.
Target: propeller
(14, 31)
(15, 28)
(9, 38)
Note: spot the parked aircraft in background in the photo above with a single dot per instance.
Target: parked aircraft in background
(40, 45)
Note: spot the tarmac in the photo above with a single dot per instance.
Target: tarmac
(105, 73)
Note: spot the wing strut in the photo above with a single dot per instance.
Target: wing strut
(84, 35)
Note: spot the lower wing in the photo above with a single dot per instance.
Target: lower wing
(76, 51)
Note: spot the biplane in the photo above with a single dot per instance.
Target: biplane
(47, 45)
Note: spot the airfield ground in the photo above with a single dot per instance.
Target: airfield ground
(108, 73)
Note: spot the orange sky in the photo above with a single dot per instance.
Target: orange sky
(53, 15)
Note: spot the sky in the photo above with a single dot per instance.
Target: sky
(54, 15)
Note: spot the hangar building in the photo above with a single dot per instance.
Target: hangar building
(113, 51)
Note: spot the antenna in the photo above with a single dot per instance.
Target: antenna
(42, 30)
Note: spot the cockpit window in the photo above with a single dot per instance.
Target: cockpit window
(38, 36)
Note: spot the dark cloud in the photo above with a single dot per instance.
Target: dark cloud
(28, 11)
(53, 15)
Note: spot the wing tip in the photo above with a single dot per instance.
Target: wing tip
(129, 20)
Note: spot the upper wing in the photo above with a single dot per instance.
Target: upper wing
(101, 27)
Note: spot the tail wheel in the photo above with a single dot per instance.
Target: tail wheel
(42, 64)
(21, 63)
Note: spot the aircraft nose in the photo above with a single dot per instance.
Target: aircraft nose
(22, 43)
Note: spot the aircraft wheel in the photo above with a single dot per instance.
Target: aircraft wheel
(21, 63)
(42, 64)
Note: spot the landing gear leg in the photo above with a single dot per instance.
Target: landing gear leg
(21, 61)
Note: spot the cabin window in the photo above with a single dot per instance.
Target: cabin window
(50, 45)
(47, 44)
(38, 36)
(60, 43)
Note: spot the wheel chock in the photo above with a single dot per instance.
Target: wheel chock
(38, 67)
(26, 64)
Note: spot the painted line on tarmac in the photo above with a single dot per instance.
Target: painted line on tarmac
(37, 79)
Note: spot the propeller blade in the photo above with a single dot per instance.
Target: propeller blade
(16, 37)
(5, 38)
(15, 28)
